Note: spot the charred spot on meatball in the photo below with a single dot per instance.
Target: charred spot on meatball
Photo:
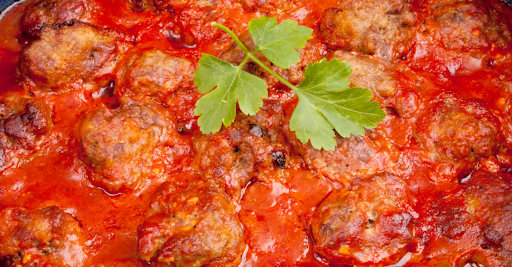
(119, 144)
(279, 159)
(192, 226)
(69, 57)
(368, 224)
(497, 232)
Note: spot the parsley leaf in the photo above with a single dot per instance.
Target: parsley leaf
(325, 103)
(219, 106)
(278, 42)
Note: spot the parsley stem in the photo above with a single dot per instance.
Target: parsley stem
(252, 56)
(233, 35)
(243, 62)
(273, 73)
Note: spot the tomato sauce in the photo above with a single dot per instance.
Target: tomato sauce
(275, 212)
(57, 177)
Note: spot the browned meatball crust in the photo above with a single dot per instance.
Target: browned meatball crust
(393, 87)
(497, 235)
(360, 156)
(375, 27)
(371, 73)
(368, 224)
(446, 228)
(24, 122)
(39, 237)
(119, 144)
(192, 226)
(483, 190)
(455, 133)
(236, 153)
(156, 73)
(472, 27)
(226, 160)
(30, 123)
(48, 12)
(270, 6)
(489, 200)
(69, 57)
(468, 224)
(354, 157)
(173, 5)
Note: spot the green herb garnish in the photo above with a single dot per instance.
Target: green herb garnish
(325, 101)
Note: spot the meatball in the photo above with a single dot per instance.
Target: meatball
(354, 157)
(183, 103)
(24, 122)
(483, 190)
(26, 126)
(445, 227)
(49, 12)
(489, 200)
(275, 6)
(40, 237)
(368, 224)
(171, 5)
(236, 153)
(219, 158)
(468, 27)
(455, 133)
(155, 73)
(394, 91)
(192, 226)
(68, 57)
(374, 27)
(119, 144)
(497, 235)
(389, 86)
(469, 223)
(370, 73)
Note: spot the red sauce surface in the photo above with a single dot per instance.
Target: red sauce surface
(276, 211)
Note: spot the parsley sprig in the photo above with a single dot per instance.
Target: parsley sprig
(325, 101)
